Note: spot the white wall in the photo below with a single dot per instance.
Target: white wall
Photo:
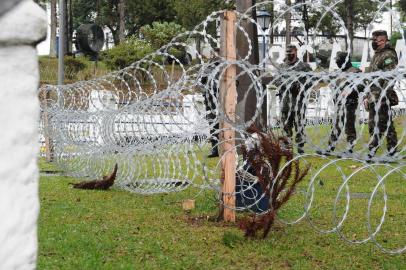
(19, 117)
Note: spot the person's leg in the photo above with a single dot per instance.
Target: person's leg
(391, 137)
(337, 128)
(299, 123)
(214, 140)
(350, 131)
(286, 119)
(374, 134)
(214, 125)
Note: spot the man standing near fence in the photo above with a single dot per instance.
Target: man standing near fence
(210, 82)
(292, 90)
(346, 103)
(382, 95)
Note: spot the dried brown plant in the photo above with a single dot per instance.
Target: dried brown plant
(103, 184)
(266, 158)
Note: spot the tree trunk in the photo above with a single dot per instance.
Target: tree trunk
(70, 27)
(115, 35)
(52, 48)
(306, 22)
(121, 25)
(271, 32)
(66, 32)
(288, 19)
(247, 100)
(349, 22)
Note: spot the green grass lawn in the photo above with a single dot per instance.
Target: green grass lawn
(116, 229)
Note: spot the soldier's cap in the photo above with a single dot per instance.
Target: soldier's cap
(380, 33)
(291, 49)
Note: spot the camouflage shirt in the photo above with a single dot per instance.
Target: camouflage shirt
(384, 60)
(296, 66)
(295, 82)
(347, 91)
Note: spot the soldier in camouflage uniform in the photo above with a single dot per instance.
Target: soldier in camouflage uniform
(211, 89)
(291, 94)
(346, 98)
(385, 59)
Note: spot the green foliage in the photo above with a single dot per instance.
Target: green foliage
(159, 34)
(137, 14)
(83, 12)
(115, 229)
(103, 12)
(177, 52)
(364, 12)
(73, 66)
(196, 10)
(232, 239)
(48, 68)
(402, 5)
(394, 38)
(141, 12)
(126, 53)
(327, 26)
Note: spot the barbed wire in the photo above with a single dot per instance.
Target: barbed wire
(160, 129)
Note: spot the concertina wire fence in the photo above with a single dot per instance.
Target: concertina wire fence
(157, 129)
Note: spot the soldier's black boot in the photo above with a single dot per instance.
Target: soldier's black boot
(326, 152)
(371, 154)
(329, 150)
(350, 150)
(392, 152)
(300, 150)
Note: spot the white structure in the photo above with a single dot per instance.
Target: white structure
(21, 28)
(181, 121)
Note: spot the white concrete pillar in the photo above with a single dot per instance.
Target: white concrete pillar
(21, 28)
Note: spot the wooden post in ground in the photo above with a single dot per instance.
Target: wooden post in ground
(228, 94)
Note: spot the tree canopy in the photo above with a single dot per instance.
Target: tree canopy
(361, 14)
(139, 13)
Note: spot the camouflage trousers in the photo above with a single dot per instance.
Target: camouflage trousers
(381, 126)
(292, 117)
(212, 120)
(344, 118)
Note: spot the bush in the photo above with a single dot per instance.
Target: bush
(394, 38)
(159, 34)
(126, 53)
(49, 68)
(73, 69)
(73, 66)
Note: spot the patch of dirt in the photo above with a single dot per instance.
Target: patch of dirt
(195, 221)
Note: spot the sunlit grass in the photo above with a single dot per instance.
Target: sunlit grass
(117, 229)
(120, 230)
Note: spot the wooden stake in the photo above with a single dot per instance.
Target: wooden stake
(228, 94)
